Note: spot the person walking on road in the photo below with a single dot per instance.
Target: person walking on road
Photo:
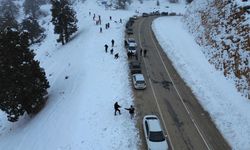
(112, 42)
(141, 52)
(145, 53)
(131, 111)
(116, 107)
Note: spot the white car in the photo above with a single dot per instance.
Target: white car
(132, 48)
(131, 40)
(138, 81)
(153, 132)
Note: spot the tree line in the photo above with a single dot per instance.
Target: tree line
(23, 83)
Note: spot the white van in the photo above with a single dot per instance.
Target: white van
(138, 81)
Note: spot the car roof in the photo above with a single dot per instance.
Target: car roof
(132, 44)
(131, 39)
(153, 123)
(135, 63)
(139, 76)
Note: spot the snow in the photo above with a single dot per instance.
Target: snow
(86, 82)
(228, 109)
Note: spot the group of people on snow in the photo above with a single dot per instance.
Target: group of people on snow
(116, 56)
(117, 107)
(131, 110)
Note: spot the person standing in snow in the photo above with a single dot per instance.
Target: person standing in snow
(110, 17)
(116, 55)
(100, 29)
(111, 51)
(131, 111)
(106, 48)
(116, 107)
(112, 42)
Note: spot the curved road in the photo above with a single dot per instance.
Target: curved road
(186, 124)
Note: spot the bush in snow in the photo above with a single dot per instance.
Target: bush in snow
(64, 19)
(23, 83)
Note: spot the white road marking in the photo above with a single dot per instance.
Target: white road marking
(156, 100)
(186, 107)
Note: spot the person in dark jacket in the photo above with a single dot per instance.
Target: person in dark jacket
(131, 111)
(116, 107)
(113, 42)
(106, 48)
(145, 53)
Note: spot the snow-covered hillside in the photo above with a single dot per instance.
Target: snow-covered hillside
(227, 108)
(222, 28)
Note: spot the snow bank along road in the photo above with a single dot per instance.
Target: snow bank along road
(188, 126)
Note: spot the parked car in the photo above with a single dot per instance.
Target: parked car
(145, 14)
(172, 14)
(135, 17)
(157, 12)
(164, 13)
(129, 31)
(139, 81)
(135, 67)
(131, 40)
(132, 48)
(129, 24)
(132, 19)
(154, 135)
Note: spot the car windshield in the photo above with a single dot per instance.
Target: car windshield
(140, 82)
(131, 48)
(131, 41)
(156, 136)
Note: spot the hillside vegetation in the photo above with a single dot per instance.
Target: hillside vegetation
(222, 28)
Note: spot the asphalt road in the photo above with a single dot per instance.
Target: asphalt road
(184, 121)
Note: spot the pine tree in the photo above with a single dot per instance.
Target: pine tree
(35, 31)
(8, 12)
(64, 19)
(31, 7)
(9, 8)
(121, 4)
(23, 83)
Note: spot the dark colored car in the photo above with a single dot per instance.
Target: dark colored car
(135, 67)
(164, 13)
(129, 31)
(145, 14)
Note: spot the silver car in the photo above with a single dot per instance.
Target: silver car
(139, 81)
(153, 133)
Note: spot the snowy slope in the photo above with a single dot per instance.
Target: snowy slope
(228, 109)
(85, 82)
